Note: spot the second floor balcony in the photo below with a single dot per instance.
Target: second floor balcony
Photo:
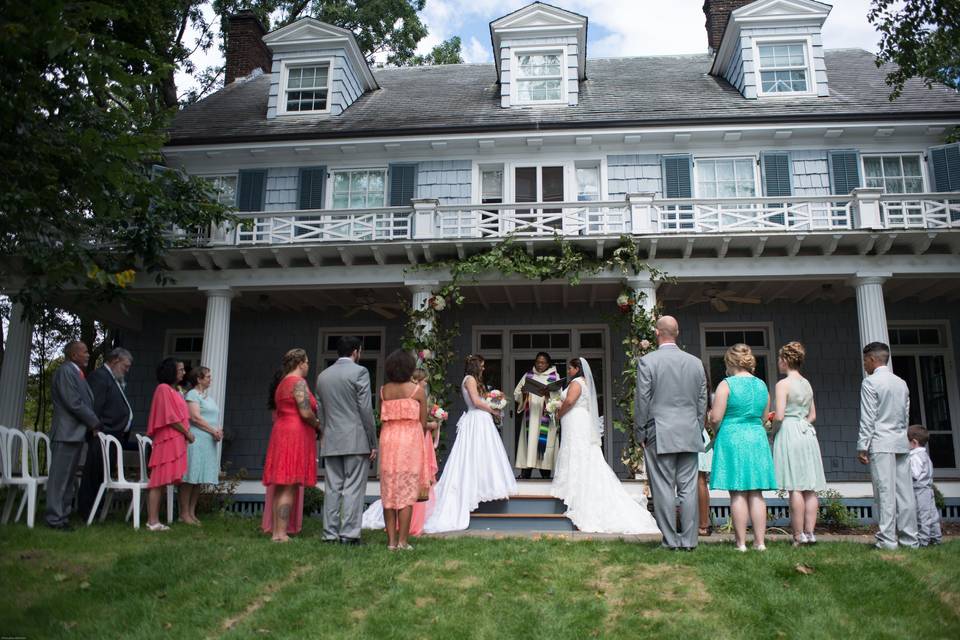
(641, 215)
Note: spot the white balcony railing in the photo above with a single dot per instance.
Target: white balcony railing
(639, 214)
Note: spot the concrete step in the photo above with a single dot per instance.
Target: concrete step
(523, 505)
(521, 513)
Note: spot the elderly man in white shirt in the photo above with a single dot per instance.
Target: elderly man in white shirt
(882, 443)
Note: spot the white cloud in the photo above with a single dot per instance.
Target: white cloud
(476, 51)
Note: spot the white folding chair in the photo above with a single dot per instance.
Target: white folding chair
(39, 463)
(15, 451)
(144, 445)
(114, 480)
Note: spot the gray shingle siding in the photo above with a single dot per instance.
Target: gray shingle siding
(282, 189)
(633, 174)
(811, 173)
(447, 180)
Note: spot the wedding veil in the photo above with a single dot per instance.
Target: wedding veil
(592, 404)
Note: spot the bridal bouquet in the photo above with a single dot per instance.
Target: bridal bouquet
(496, 399)
(437, 413)
(768, 421)
(553, 404)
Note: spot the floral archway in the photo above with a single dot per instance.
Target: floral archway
(431, 338)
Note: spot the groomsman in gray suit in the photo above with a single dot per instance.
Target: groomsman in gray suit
(348, 441)
(883, 444)
(73, 420)
(671, 404)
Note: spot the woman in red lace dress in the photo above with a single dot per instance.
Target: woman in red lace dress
(403, 413)
(292, 453)
(169, 427)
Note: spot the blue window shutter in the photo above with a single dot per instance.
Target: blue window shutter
(312, 180)
(844, 171)
(251, 190)
(403, 184)
(677, 176)
(776, 173)
(945, 168)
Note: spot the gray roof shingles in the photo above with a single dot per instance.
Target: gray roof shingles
(648, 91)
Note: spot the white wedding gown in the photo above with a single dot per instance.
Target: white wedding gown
(476, 471)
(596, 501)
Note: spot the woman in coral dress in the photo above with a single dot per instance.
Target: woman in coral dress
(403, 414)
(169, 428)
(291, 462)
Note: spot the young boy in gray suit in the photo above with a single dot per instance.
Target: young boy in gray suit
(921, 469)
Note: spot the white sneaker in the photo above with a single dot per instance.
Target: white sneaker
(742, 548)
(800, 539)
(811, 539)
(760, 547)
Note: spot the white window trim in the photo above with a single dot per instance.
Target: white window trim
(285, 66)
(330, 182)
(807, 43)
(170, 340)
(515, 52)
(879, 154)
(381, 356)
(225, 174)
(755, 163)
(767, 327)
(953, 395)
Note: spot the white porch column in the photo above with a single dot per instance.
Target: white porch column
(216, 345)
(642, 284)
(871, 313)
(421, 292)
(16, 368)
(424, 218)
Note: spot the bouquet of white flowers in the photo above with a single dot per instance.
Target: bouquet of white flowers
(553, 405)
(496, 399)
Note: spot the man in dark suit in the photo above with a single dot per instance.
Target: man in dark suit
(73, 421)
(116, 416)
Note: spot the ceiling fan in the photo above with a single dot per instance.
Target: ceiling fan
(366, 301)
(718, 298)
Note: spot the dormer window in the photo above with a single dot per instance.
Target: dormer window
(784, 68)
(306, 88)
(540, 77)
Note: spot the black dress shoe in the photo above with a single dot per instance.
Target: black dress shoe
(61, 527)
(330, 540)
(353, 542)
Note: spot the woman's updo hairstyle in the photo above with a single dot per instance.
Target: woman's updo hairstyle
(291, 360)
(793, 354)
(739, 356)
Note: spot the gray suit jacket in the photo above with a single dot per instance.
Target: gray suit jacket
(884, 413)
(345, 411)
(671, 401)
(72, 405)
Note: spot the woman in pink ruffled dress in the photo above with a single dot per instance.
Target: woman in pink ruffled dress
(169, 428)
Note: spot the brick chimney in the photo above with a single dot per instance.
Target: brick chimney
(245, 48)
(718, 13)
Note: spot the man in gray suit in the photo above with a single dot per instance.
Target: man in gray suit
(883, 444)
(671, 403)
(73, 420)
(348, 441)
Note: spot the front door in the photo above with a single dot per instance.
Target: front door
(509, 355)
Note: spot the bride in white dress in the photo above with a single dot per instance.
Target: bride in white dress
(477, 469)
(595, 499)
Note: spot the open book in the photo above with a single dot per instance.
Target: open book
(537, 388)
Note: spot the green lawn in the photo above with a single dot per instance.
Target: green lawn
(226, 580)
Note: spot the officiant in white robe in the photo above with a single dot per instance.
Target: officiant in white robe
(538, 438)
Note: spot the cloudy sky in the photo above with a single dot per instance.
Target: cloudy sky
(616, 28)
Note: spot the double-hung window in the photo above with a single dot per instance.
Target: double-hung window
(306, 88)
(726, 178)
(783, 68)
(225, 188)
(359, 188)
(894, 173)
(539, 77)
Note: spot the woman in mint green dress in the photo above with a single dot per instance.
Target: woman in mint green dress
(202, 464)
(742, 462)
(796, 452)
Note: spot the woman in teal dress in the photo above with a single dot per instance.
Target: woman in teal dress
(796, 452)
(742, 463)
(202, 464)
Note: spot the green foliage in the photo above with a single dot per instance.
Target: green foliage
(390, 28)
(83, 117)
(219, 497)
(920, 37)
(833, 513)
(312, 501)
(938, 499)
(447, 52)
